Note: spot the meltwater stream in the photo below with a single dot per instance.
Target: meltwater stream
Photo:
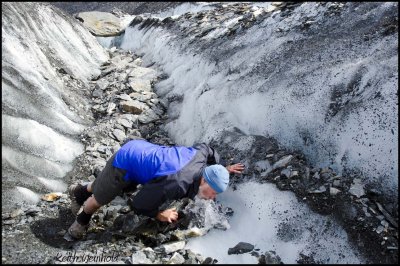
(275, 220)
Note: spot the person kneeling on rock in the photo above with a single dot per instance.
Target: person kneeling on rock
(166, 173)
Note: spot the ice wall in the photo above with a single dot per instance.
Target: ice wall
(47, 60)
(321, 82)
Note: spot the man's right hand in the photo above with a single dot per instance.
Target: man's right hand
(169, 215)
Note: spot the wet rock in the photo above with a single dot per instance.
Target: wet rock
(240, 248)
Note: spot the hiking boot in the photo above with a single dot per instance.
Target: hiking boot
(76, 230)
(75, 206)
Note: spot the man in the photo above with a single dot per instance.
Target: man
(166, 173)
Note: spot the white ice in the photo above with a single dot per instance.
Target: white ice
(259, 209)
(290, 104)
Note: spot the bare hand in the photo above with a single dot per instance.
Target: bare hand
(169, 215)
(235, 168)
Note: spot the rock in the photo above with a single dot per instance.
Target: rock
(158, 110)
(286, 172)
(270, 257)
(176, 259)
(148, 116)
(9, 222)
(101, 84)
(387, 215)
(97, 94)
(190, 261)
(138, 61)
(282, 162)
(333, 191)
(130, 223)
(110, 108)
(133, 107)
(357, 188)
(141, 96)
(170, 247)
(32, 211)
(100, 23)
(124, 122)
(130, 117)
(336, 183)
(102, 149)
(16, 213)
(240, 248)
(139, 257)
(111, 212)
(124, 96)
(122, 63)
(209, 260)
(151, 255)
(140, 85)
(316, 175)
(142, 73)
(379, 229)
(321, 189)
(119, 135)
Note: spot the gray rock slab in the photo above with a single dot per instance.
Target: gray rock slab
(100, 23)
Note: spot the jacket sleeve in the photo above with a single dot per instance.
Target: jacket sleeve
(212, 155)
(153, 194)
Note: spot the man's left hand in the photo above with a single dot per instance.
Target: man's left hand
(235, 168)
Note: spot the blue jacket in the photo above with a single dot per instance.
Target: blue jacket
(144, 161)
